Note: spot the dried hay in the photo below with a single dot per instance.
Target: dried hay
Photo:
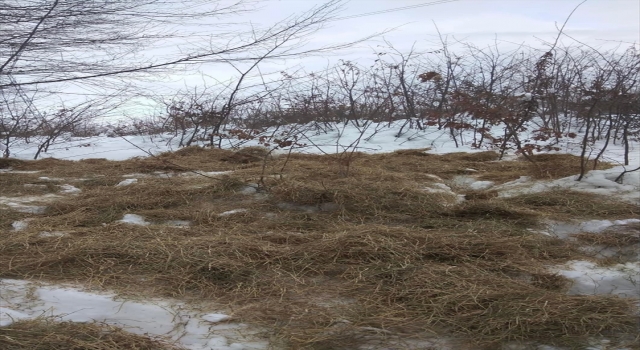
(493, 211)
(12, 185)
(486, 156)
(393, 261)
(43, 334)
(8, 162)
(184, 201)
(368, 193)
(563, 204)
(400, 280)
(555, 166)
(247, 155)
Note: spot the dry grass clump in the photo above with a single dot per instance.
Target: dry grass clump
(614, 245)
(493, 211)
(555, 166)
(573, 204)
(24, 185)
(177, 198)
(610, 238)
(486, 156)
(42, 334)
(247, 155)
(357, 198)
(8, 162)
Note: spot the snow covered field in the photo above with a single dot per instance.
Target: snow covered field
(216, 328)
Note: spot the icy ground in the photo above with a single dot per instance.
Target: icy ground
(193, 329)
(214, 329)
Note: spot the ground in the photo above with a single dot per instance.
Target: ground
(220, 249)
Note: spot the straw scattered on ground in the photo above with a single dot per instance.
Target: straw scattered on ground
(325, 259)
(43, 334)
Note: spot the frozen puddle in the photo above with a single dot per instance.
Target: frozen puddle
(190, 329)
(589, 279)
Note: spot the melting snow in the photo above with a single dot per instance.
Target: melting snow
(20, 225)
(601, 182)
(68, 189)
(52, 234)
(126, 182)
(9, 171)
(471, 183)
(234, 211)
(178, 223)
(215, 318)
(191, 329)
(590, 279)
(134, 219)
(45, 178)
(564, 229)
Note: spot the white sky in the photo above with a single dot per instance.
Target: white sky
(477, 20)
(599, 23)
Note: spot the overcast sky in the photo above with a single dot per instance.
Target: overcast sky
(478, 21)
(481, 22)
(598, 23)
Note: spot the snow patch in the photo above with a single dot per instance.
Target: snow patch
(215, 318)
(126, 182)
(42, 187)
(47, 234)
(10, 171)
(234, 211)
(8, 316)
(471, 183)
(26, 204)
(134, 219)
(20, 225)
(53, 179)
(600, 182)
(69, 189)
(589, 279)
(166, 318)
(178, 223)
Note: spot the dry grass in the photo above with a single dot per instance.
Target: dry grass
(555, 166)
(348, 260)
(44, 334)
(566, 204)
